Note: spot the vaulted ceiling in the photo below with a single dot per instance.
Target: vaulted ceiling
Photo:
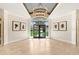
(49, 6)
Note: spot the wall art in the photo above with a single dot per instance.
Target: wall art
(15, 25)
(63, 25)
(23, 26)
(56, 26)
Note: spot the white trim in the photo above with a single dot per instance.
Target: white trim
(67, 41)
(13, 41)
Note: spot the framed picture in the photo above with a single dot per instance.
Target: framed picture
(15, 25)
(23, 26)
(63, 25)
(56, 26)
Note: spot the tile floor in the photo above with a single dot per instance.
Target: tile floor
(39, 47)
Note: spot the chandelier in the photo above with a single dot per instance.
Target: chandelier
(40, 11)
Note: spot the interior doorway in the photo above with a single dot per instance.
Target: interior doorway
(1, 33)
(39, 29)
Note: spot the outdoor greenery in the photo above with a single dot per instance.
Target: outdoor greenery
(34, 33)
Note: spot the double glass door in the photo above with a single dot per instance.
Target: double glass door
(39, 31)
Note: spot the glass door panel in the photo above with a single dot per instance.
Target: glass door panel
(42, 31)
(39, 29)
(35, 31)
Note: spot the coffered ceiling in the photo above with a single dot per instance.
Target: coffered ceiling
(49, 6)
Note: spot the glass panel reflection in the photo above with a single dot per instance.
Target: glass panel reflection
(39, 29)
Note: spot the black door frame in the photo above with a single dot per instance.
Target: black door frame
(44, 29)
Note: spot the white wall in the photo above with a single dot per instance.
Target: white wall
(65, 12)
(14, 12)
(16, 8)
(16, 35)
(5, 26)
(73, 25)
(70, 34)
(77, 27)
(63, 9)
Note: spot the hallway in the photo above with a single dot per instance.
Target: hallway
(39, 47)
(57, 21)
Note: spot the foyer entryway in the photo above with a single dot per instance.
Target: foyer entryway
(39, 29)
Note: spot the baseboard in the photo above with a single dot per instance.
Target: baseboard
(13, 41)
(5, 43)
(67, 41)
